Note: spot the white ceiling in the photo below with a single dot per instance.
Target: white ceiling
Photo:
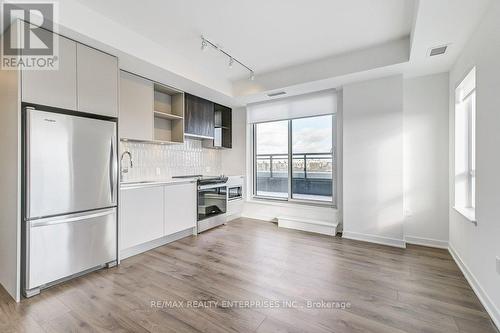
(267, 35)
(436, 23)
(295, 45)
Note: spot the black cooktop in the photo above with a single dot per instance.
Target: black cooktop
(189, 176)
(206, 180)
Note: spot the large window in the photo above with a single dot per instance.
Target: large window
(294, 159)
(465, 146)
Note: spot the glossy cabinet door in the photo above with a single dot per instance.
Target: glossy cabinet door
(223, 128)
(136, 107)
(55, 88)
(97, 82)
(180, 207)
(227, 125)
(199, 117)
(141, 215)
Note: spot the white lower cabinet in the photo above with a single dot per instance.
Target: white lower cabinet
(180, 207)
(141, 215)
(151, 213)
(234, 209)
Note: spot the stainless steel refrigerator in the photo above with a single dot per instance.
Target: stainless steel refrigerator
(70, 196)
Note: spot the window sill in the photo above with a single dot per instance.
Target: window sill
(468, 213)
(284, 202)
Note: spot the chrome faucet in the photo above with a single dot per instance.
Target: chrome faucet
(124, 169)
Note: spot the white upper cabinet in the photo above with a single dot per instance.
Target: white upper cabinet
(180, 207)
(97, 82)
(55, 88)
(86, 80)
(136, 107)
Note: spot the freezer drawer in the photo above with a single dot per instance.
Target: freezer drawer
(57, 248)
(71, 164)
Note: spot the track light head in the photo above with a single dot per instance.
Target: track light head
(207, 42)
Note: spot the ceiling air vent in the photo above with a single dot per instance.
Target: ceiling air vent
(276, 93)
(437, 50)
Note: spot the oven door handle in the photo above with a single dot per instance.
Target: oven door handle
(207, 187)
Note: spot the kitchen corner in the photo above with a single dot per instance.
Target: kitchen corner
(165, 134)
(157, 207)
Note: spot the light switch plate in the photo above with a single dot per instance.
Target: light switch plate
(498, 265)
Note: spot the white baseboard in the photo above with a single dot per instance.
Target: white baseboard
(374, 239)
(233, 217)
(266, 218)
(297, 223)
(135, 250)
(436, 243)
(478, 290)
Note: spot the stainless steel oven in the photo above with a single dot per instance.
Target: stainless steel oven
(212, 205)
(212, 200)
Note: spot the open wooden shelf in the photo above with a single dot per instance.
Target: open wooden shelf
(168, 114)
(164, 115)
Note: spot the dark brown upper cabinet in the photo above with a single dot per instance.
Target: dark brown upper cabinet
(199, 117)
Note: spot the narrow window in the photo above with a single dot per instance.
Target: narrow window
(312, 154)
(465, 146)
(271, 169)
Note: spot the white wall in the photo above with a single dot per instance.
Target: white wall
(373, 161)
(475, 247)
(10, 182)
(233, 160)
(425, 160)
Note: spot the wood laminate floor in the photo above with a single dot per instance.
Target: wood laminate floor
(186, 286)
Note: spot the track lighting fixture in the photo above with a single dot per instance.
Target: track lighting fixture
(205, 42)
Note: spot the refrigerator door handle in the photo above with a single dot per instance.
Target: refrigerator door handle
(69, 218)
(112, 170)
(27, 144)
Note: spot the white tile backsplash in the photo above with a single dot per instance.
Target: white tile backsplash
(159, 162)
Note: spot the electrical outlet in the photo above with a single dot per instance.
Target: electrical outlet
(498, 265)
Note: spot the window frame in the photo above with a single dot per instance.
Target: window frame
(467, 209)
(289, 198)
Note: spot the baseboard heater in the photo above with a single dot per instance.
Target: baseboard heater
(310, 225)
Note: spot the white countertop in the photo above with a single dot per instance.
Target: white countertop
(150, 183)
(161, 182)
